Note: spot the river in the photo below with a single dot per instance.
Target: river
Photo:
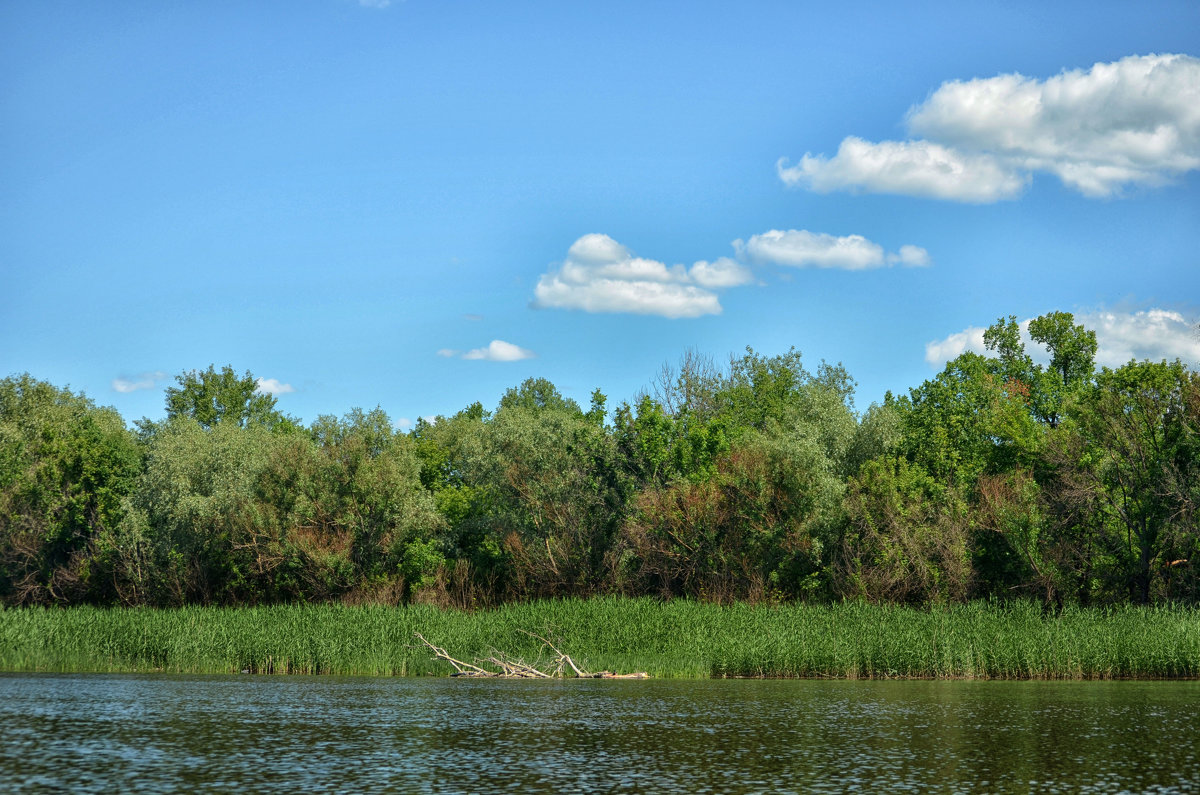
(251, 734)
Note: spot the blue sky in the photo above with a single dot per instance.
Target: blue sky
(419, 204)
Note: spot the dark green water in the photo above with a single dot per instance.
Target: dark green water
(105, 733)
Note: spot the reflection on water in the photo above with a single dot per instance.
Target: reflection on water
(294, 734)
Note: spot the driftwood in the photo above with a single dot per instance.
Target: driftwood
(506, 667)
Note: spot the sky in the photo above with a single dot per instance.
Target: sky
(418, 205)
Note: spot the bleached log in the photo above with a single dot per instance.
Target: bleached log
(511, 668)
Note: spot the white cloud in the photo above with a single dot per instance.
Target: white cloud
(125, 385)
(911, 256)
(403, 423)
(800, 248)
(939, 352)
(1153, 334)
(1135, 121)
(723, 272)
(499, 351)
(601, 275)
(910, 168)
(448, 353)
(273, 386)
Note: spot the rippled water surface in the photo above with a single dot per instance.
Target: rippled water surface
(102, 733)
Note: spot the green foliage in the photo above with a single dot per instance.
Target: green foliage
(657, 447)
(998, 477)
(968, 421)
(907, 537)
(67, 469)
(548, 492)
(1138, 428)
(209, 398)
(757, 528)
(1072, 347)
(1072, 351)
(880, 431)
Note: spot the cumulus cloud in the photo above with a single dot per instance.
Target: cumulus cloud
(938, 352)
(1132, 122)
(273, 386)
(800, 248)
(601, 275)
(499, 351)
(910, 168)
(723, 272)
(1153, 334)
(125, 384)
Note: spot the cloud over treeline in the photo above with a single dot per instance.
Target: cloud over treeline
(1132, 122)
(1153, 334)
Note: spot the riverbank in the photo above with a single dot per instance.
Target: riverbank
(677, 639)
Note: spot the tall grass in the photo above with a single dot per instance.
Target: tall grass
(676, 639)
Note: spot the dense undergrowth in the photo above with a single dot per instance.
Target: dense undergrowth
(681, 639)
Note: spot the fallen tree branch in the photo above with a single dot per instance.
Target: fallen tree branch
(514, 668)
(461, 668)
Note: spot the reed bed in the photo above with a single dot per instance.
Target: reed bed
(677, 639)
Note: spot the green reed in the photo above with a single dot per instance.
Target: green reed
(675, 639)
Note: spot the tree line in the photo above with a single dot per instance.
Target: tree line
(997, 478)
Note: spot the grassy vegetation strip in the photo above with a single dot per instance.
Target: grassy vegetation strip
(676, 639)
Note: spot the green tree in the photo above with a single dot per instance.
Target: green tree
(368, 497)
(1138, 427)
(67, 469)
(968, 421)
(1072, 347)
(548, 492)
(907, 537)
(210, 397)
(757, 526)
(210, 539)
(1072, 351)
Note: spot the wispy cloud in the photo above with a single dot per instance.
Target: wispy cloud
(273, 386)
(1132, 122)
(1153, 334)
(128, 384)
(800, 248)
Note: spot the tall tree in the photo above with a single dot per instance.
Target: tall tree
(1072, 347)
(1072, 361)
(1139, 426)
(210, 397)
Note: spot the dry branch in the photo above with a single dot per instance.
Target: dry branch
(507, 667)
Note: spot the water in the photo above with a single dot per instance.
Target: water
(247, 734)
